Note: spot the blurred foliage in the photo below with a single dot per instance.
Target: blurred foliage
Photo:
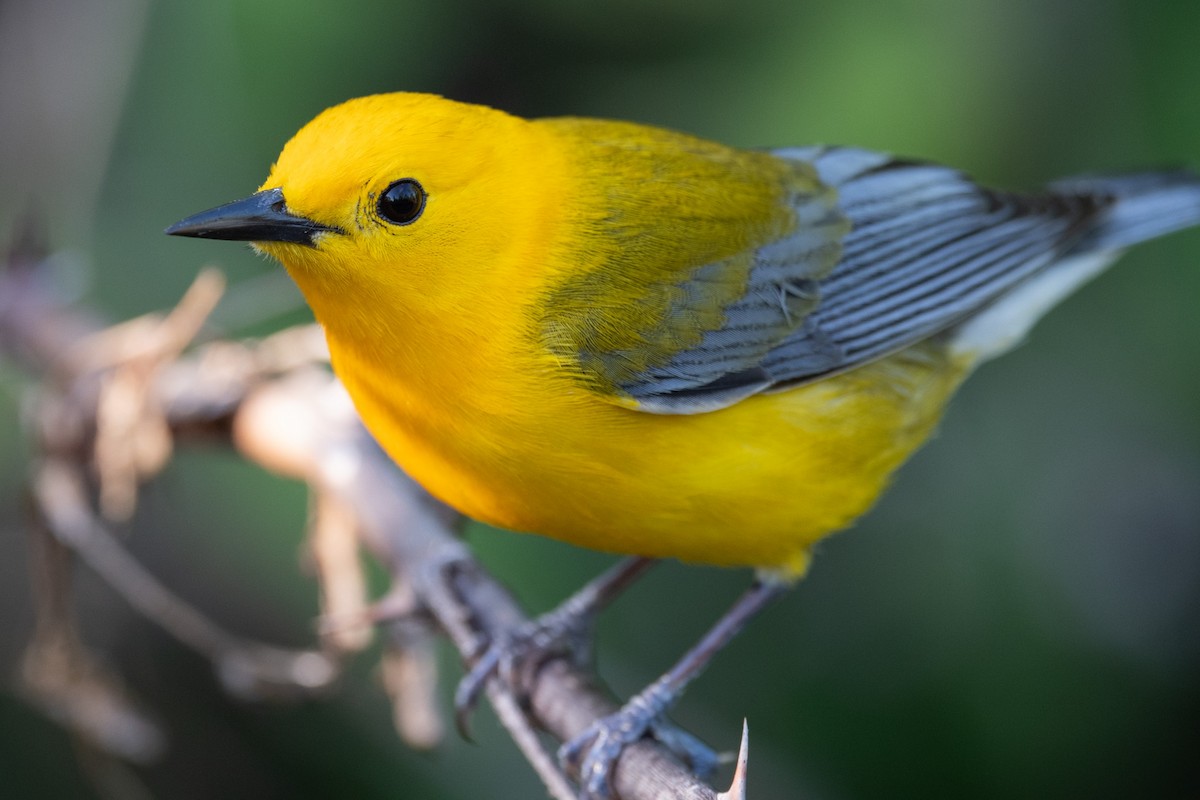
(1019, 617)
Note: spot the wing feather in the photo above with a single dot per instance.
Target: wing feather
(928, 248)
(895, 252)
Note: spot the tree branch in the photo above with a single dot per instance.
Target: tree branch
(111, 404)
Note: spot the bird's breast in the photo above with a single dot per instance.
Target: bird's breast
(751, 485)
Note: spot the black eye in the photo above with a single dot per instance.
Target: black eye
(402, 202)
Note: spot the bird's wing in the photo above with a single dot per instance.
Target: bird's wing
(928, 248)
(688, 275)
(925, 249)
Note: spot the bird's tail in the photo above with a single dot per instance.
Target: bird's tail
(1147, 205)
(1140, 207)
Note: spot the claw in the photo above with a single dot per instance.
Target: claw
(698, 756)
(466, 694)
(516, 657)
(564, 632)
(594, 753)
(601, 744)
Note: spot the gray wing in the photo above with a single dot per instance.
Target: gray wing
(919, 248)
(927, 249)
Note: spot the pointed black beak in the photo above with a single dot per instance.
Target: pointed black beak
(261, 217)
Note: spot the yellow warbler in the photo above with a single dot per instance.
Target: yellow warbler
(644, 342)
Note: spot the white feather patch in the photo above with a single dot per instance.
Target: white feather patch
(1005, 323)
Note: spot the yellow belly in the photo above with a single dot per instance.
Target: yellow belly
(755, 484)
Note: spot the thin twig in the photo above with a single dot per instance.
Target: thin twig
(515, 721)
(246, 668)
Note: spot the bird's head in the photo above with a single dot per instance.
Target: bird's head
(388, 195)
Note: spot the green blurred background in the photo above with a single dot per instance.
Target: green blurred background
(1018, 618)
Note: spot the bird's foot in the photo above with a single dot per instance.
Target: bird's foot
(516, 657)
(594, 753)
(565, 632)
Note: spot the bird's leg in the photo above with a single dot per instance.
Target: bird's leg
(566, 630)
(597, 749)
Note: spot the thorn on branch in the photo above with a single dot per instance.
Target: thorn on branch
(737, 789)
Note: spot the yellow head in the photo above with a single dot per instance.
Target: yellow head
(388, 198)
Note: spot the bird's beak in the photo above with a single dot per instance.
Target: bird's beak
(261, 217)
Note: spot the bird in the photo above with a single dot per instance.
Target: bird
(644, 342)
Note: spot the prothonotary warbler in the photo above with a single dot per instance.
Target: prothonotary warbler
(644, 342)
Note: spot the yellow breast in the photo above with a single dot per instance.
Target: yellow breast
(752, 485)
